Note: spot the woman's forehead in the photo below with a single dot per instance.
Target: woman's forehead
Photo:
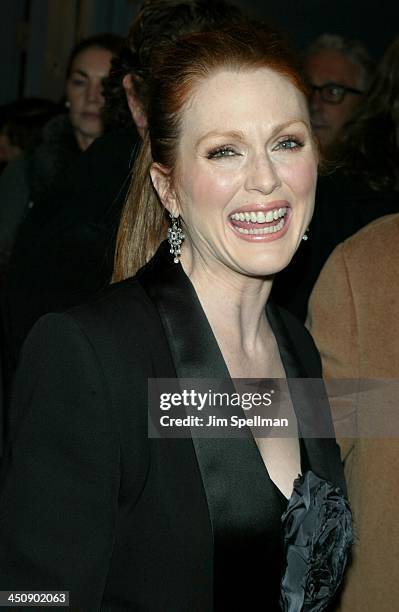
(231, 99)
(92, 59)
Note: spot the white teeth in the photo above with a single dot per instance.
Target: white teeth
(263, 230)
(260, 216)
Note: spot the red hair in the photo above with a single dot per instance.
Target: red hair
(178, 71)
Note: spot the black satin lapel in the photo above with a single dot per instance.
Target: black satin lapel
(292, 362)
(310, 401)
(195, 351)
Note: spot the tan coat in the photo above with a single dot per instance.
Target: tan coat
(354, 319)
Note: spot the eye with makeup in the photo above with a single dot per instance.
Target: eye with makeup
(222, 152)
(289, 143)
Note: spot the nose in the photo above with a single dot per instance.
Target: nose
(94, 92)
(262, 175)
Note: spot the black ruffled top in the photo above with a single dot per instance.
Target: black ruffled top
(318, 534)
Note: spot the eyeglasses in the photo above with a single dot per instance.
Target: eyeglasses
(332, 93)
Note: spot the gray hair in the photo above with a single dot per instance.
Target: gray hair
(352, 49)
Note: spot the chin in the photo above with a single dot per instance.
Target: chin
(265, 268)
(269, 260)
(91, 129)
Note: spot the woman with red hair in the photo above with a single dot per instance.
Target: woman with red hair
(90, 502)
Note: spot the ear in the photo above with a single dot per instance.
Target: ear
(135, 106)
(161, 179)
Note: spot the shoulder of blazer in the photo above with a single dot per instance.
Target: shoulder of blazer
(122, 318)
(125, 330)
(127, 336)
(117, 337)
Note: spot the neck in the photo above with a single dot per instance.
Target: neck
(83, 141)
(233, 303)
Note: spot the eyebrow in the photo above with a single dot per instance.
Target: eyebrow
(214, 133)
(238, 135)
(80, 72)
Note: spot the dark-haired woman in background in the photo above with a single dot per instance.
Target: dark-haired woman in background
(28, 179)
(88, 66)
(89, 502)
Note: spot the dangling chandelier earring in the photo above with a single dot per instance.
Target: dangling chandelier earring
(305, 236)
(175, 237)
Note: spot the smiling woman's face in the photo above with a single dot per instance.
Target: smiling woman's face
(245, 178)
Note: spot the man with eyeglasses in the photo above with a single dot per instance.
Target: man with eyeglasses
(339, 74)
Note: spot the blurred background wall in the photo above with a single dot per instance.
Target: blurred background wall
(37, 35)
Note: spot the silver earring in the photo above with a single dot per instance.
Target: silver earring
(175, 238)
(67, 104)
(305, 236)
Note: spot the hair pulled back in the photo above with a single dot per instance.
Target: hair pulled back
(180, 69)
(157, 22)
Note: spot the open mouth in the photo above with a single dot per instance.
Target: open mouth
(260, 224)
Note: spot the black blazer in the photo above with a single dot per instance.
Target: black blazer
(64, 251)
(90, 504)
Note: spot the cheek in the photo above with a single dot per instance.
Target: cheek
(340, 113)
(301, 178)
(350, 104)
(75, 97)
(207, 188)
